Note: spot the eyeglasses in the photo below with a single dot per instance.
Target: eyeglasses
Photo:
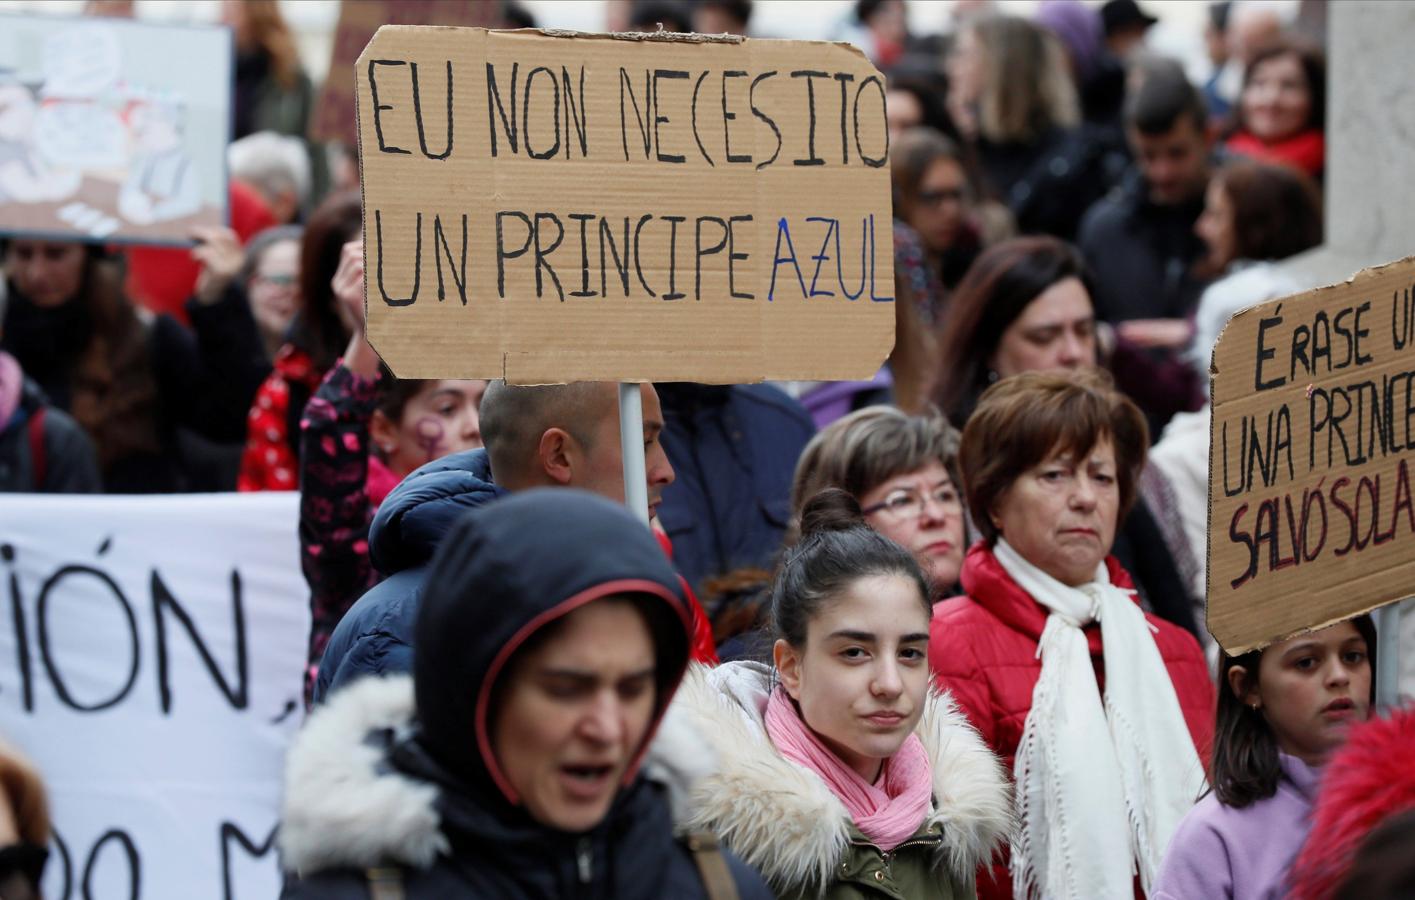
(940, 197)
(278, 280)
(908, 503)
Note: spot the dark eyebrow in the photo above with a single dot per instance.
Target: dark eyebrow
(582, 677)
(851, 635)
(1304, 647)
(914, 638)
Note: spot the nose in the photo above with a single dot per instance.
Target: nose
(660, 470)
(886, 684)
(1084, 494)
(1340, 674)
(933, 512)
(472, 430)
(1072, 351)
(603, 721)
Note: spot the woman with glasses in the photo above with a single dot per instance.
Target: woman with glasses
(1100, 710)
(902, 470)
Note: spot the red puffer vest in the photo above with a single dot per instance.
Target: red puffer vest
(983, 650)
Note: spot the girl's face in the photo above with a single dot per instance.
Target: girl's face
(1215, 226)
(1310, 689)
(275, 288)
(1056, 332)
(440, 419)
(1277, 101)
(861, 679)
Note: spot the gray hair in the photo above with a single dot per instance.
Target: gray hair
(273, 164)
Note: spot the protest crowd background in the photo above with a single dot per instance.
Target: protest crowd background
(1007, 527)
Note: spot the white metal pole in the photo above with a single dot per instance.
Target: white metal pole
(631, 442)
(1388, 656)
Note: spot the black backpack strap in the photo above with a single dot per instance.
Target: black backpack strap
(712, 865)
(385, 883)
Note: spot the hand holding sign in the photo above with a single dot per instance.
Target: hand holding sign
(348, 286)
(219, 252)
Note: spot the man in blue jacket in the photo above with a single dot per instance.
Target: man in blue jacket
(542, 436)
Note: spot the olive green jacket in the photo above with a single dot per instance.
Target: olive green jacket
(725, 776)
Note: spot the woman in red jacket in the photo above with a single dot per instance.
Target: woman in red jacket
(1100, 710)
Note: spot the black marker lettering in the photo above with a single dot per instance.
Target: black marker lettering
(378, 108)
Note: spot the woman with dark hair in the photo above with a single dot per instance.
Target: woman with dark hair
(321, 328)
(1254, 216)
(362, 432)
(835, 771)
(1100, 710)
(1024, 306)
(129, 379)
(1282, 108)
(903, 471)
(1282, 711)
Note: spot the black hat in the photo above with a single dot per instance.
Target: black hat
(1118, 15)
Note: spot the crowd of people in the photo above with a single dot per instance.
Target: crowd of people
(935, 635)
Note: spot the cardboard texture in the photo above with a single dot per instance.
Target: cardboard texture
(629, 208)
(112, 131)
(1311, 516)
(335, 114)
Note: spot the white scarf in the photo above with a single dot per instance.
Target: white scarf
(1101, 782)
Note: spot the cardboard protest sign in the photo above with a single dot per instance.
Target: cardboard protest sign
(564, 207)
(1311, 514)
(112, 130)
(336, 113)
(153, 652)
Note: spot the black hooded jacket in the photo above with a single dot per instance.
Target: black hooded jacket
(385, 776)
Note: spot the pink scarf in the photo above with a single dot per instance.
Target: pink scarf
(888, 813)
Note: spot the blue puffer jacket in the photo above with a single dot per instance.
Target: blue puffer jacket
(375, 635)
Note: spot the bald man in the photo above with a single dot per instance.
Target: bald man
(543, 436)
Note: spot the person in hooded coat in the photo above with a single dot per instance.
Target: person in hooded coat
(508, 766)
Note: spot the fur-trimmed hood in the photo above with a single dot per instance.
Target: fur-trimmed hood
(343, 806)
(725, 776)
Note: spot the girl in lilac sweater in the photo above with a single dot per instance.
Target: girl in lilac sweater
(1281, 712)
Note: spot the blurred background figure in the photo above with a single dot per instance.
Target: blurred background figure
(1217, 49)
(1254, 216)
(272, 91)
(278, 167)
(1125, 27)
(1282, 108)
(656, 15)
(132, 381)
(321, 327)
(1139, 241)
(722, 16)
(1251, 25)
(1013, 100)
(42, 449)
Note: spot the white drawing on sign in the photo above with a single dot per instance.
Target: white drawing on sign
(161, 183)
(25, 174)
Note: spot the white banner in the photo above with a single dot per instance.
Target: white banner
(151, 651)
